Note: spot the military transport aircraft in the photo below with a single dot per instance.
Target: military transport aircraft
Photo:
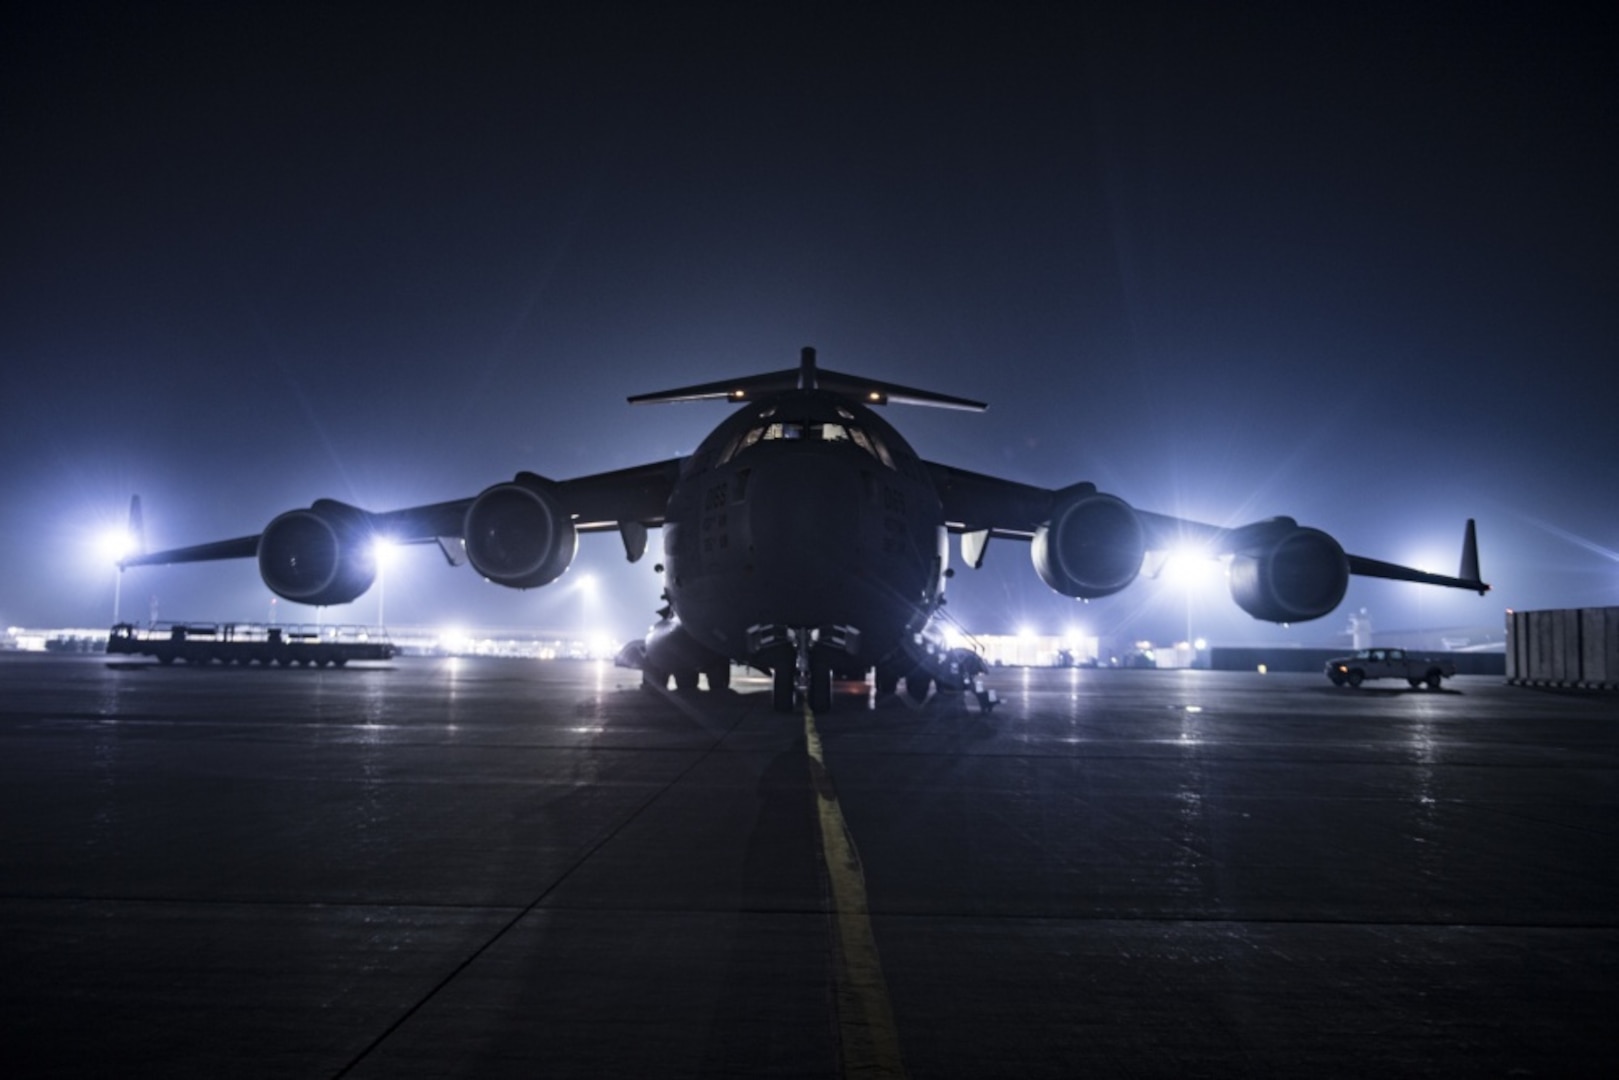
(805, 538)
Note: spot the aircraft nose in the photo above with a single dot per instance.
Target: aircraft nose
(804, 517)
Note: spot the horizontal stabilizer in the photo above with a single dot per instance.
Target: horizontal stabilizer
(809, 377)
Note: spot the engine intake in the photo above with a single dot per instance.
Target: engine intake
(319, 556)
(518, 535)
(1092, 547)
(1296, 575)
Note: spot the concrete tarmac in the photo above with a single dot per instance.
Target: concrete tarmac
(515, 868)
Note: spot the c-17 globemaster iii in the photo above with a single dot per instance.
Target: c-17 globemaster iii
(804, 537)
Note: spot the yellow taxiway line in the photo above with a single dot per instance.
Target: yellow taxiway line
(867, 1038)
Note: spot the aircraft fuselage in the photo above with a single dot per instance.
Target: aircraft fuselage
(804, 511)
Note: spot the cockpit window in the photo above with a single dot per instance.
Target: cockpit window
(813, 431)
(871, 445)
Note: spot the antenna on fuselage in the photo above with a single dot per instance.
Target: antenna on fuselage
(809, 377)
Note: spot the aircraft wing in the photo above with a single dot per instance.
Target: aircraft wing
(638, 494)
(1167, 533)
(979, 507)
(974, 502)
(630, 500)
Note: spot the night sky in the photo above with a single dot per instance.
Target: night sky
(1356, 267)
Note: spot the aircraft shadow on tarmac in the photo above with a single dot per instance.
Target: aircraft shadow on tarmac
(153, 665)
(1389, 691)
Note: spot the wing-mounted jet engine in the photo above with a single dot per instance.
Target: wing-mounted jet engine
(1282, 572)
(804, 537)
(1092, 546)
(323, 555)
(518, 534)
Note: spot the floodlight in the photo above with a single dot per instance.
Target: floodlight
(117, 544)
(383, 549)
(1187, 563)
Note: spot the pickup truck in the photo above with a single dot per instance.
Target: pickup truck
(1389, 664)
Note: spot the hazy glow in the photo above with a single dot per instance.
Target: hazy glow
(384, 550)
(1188, 565)
(116, 543)
(1177, 387)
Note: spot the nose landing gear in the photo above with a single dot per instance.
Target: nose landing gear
(802, 660)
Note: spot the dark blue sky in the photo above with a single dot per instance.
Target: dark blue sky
(1358, 268)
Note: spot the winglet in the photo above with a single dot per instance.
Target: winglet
(1469, 567)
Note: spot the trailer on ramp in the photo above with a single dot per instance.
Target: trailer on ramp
(251, 643)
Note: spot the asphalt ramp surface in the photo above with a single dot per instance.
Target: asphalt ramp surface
(483, 867)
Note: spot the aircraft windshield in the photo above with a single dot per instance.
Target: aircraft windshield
(812, 431)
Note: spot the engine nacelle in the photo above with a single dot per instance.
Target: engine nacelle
(1294, 576)
(323, 555)
(1092, 547)
(518, 535)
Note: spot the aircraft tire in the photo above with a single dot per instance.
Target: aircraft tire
(916, 685)
(719, 677)
(653, 679)
(887, 682)
(781, 687)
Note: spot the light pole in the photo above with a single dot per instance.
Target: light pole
(117, 544)
(587, 608)
(382, 551)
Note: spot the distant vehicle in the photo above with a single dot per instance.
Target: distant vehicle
(1389, 664)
